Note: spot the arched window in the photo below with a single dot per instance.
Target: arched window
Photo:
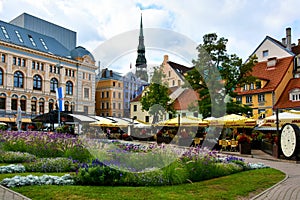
(69, 88)
(53, 84)
(66, 106)
(51, 105)
(41, 106)
(18, 79)
(72, 106)
(14, 102)
(37, 82)
(1, 76)
(23, 103)
(3, 101)
(33, 105)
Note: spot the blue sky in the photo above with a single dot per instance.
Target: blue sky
(245, 23)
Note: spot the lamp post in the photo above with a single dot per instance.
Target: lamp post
(59, 66)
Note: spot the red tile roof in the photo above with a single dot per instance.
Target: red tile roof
(185, 99)
(284, 100)
(272, 75)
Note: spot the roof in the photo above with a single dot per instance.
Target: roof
(187, 97)
(179, 68)
(284, 100)
(273, 75)
(30, 39)
(276, 42)
(107, 74)
(296, 49)
(80, 52)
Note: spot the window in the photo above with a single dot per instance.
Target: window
(51, 105)
(50, 68)
(239, 99)
(119, 95)
(147, 118)
(66, 106)
(19, 36)
(114, 84)
(119, 105)
(33, 105)
(245, 87)
(265, 53)
(31, 40)
(261, 97)
(114, 95)
(23, 63)
(37, 82)
(33, 64)
(14, 60)
(14, 102)
(114, 105)
(86, 93)
(3, 58)
(4, 32)
(90, 77)
(107, 105)
(249, 99)
(295, 95)
(83, 75)
(173, 82)
(72, 106)
(3, 101)
(102, 105)
(262, 113)
(1, 76)
(134, 108)
(23, 103)
(18, 79)
(69, 88)
(53, 84)
(41, 106)
(107, 94)
(258, 84)
(169, 73)
(102, 95)
(19, 62)
(44, 44)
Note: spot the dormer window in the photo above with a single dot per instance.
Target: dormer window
(271, 62)
(258, 84)
(295, 94)
(245, 87)
(252, 86)
(31, 40)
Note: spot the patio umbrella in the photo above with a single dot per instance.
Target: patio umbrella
(108, 123)
(2, 123)
(284, 117)
(233, 120)
(183, 121)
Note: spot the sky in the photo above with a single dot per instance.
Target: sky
(109, 29)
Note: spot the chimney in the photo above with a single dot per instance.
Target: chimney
(284, 41)
(298, 42)
(288, 38)
(111, 73)
(166, 59)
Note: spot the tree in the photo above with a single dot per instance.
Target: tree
(156, 98)
(216, 75)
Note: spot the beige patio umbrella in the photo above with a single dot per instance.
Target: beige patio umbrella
(183, 121)
(108, 123)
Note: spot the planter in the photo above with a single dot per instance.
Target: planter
(245, 148)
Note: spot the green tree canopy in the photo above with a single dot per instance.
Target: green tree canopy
(216, 75)
(156, 98)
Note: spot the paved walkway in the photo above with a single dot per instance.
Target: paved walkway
(288, 189)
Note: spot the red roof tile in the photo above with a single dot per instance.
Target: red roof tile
(185, 99)
(284, 100)
(273, 75)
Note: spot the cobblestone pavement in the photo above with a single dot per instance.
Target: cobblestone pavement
(289, 188)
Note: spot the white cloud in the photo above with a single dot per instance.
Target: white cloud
(245, 23)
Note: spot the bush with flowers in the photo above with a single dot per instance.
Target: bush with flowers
(243, 138)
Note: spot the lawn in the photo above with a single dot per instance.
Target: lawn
(236, 186)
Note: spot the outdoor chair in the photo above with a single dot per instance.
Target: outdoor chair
(197, 141)
(224, 145)
(234, 145)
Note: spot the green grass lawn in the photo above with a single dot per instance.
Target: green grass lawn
(243, 184)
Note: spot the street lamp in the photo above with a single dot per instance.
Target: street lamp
(59, 92)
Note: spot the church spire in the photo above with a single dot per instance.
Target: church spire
(141, 62)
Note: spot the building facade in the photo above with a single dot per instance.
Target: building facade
(273, 72)
(109, 94)
(33, 65)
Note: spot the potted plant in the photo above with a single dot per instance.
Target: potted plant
(244, 143)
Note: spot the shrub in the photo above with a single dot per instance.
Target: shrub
(12, 169)
(37, 180)
(15, 157)
(51, 165)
